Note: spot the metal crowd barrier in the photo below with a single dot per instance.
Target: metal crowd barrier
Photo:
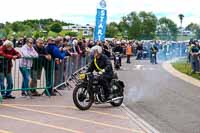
(25, 74)
(42, 74)
(65, 69)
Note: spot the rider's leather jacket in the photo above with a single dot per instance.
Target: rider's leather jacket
(104, 63)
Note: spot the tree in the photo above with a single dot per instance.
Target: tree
(2, 25)
(17, 26)
(181, 16)
(112, 30)
(198, 33)
(28, 27)
(123, 27)
(52, 34)
(3, 33)
(71, 33)
(36, 34)
(7, 30)
(56, 27)
(168, 28)
(192, 27)
(134, 26)
(148, 25)
(139, 26)
(130, 25)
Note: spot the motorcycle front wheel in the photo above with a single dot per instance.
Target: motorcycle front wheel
(83, 99)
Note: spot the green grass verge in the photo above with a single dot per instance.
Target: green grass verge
(185, 68)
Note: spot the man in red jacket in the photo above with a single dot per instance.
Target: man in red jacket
(7, 53)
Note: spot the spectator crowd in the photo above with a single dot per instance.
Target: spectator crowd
(52, 55)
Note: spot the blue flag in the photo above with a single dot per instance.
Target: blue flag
(101, 18)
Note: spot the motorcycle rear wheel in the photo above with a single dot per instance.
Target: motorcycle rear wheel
(118, 102)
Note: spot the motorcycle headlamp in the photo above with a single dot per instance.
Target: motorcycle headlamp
(82, 76)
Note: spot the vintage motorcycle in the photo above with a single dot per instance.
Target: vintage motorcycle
(117, 62)
(88, 90)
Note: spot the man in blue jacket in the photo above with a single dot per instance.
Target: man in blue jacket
(54, 51)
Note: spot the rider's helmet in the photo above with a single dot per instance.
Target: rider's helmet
(97, 51)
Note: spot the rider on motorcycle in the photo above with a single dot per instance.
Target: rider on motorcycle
(102, 64)
(119, 49)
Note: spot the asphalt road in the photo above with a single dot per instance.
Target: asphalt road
(59, 115)
(167, 103)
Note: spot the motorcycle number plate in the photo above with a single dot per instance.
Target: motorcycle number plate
(117, 58)
(82, 76)
(153, 54)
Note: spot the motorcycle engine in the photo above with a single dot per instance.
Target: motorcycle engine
(100, 94)
(95, 81)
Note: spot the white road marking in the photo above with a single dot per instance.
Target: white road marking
(141, 123)
(139, 67)
(151, 68)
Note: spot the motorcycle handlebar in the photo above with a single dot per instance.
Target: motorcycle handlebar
(117, 54)
(94, 73)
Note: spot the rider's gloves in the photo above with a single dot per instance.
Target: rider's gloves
(103, 71)
(100, 73)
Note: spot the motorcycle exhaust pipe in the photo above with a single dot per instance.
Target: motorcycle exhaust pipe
(115, 99)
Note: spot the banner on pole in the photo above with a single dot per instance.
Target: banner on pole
(101, 18)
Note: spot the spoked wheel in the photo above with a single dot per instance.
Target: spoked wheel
(82, 98)
(118, 102)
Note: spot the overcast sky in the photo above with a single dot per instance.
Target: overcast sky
(84, 11)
